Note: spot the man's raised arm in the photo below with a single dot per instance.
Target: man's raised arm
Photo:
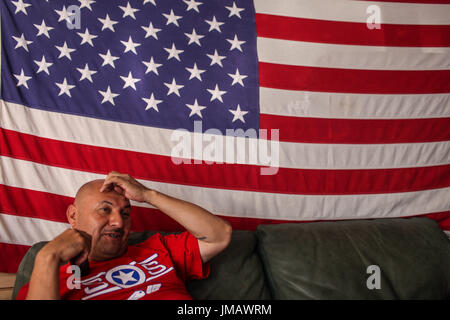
(212, 232)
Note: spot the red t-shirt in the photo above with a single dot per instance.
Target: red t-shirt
(152, 270)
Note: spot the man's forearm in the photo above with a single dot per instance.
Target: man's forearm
(44, 281)
(198, 221)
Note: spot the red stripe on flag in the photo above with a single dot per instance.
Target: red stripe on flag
(353, 33)
(350, 131)
(289, 77)
(10, 256)
(230, 176)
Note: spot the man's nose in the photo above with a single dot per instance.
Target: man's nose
(116, 219)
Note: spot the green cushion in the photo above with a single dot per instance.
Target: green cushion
(26, 267)
(329, 260)
(236, 273)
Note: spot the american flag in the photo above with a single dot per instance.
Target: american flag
(348, 102)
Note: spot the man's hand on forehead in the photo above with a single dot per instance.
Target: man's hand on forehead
(125, 185)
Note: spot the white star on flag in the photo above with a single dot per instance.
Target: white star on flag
(150, 1)
(86, 73)
(172, 18)
(64, 88)
(214, 24)
(173, 87)
(64, 14)
(108, 59)
(22, 42)
(130, 81)
(152, 103)
(173, 52)
(195, 109)
(65, 51)
(216, 93)
(43, 29)
(151, 66)
(86, 37)
(215, 58)
(237, 78)
(192, 4)
(43, 65)
(195, 72)
(108, 96)
(238, 114)
(108, 23)
(234, 11)
(151, 31)
(235, 43)
(86, 4)
(130, 45)
(22, 79)
(194, 37)
(128, 11)
(21, 6)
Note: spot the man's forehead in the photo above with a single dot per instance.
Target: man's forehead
(90, 191)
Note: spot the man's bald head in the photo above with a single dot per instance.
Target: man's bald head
(86, 189)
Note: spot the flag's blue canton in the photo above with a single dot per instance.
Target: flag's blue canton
(162, 63)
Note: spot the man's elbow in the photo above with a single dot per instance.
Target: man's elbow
(226, 234)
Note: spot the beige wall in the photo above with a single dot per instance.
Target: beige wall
(6, 285)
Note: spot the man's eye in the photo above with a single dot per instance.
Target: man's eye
(106, 209)
(125, 213)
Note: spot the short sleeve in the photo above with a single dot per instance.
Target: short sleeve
(22, 294)
(185, 253)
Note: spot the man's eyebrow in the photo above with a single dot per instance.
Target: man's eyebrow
(111, 204)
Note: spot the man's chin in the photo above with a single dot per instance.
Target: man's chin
(107, 249)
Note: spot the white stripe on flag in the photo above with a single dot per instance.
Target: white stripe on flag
(353, 106)
(356, 11)
(326, 55)
(236, 203)
(32, 230)
(72, 128)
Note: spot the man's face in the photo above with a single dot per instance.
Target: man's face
(106, 217)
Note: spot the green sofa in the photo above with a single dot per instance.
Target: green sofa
(354, 259)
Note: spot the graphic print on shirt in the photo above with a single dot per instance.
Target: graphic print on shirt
(124, 277)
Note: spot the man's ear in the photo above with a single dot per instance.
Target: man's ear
(72, 215)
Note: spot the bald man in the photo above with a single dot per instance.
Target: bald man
(101, 218)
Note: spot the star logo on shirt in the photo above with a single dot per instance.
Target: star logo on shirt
(125, 276)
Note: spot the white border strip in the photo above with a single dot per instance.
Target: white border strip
(327, 55)
(249, 204)
(356, 11)
(122, 136)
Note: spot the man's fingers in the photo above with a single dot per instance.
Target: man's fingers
(111, 182)
(118, 189)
